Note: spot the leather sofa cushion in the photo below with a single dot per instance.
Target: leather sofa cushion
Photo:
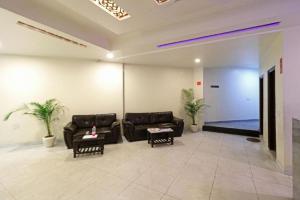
(81, 132)
(84, 121)
(138, 118)
(161, 117)
(105, 130)
(103, 120)
(145, 126)
(167, 125)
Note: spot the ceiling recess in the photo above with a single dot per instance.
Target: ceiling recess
(34, 28)
(112, 8)
(220, 35)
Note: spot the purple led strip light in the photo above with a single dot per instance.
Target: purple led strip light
(220, 34)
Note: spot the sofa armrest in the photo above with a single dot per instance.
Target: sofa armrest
(180, 125)
(177, 121)
(115, 124)
(69, 130)
(128, 129)
(70, 127)
(127, 123)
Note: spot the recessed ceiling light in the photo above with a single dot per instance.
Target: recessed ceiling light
(112, 8)
(110, 55)
(197, 60)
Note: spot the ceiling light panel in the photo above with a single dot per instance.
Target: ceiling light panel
(159, 2)
(111, 8)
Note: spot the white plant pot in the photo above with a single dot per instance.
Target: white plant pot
(49, 141)
(194, 128)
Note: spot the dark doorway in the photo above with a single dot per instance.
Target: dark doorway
(271, 109)
(261, 104)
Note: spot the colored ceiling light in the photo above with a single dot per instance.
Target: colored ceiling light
(218, 35)
(159, 2)
(112, 8)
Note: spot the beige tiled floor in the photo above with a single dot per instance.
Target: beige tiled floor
(199, 166)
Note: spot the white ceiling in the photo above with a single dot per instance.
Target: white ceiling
(135, 40)
(18, 40)
(242, 52)
(147, 15)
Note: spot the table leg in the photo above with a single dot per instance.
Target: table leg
(152, 142)
(74, 150)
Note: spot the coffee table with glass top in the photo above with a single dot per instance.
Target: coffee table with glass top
(88, 146)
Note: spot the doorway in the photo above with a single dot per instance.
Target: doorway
(272, 109)
(261, 105)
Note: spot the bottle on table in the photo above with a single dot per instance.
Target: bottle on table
(94, 130)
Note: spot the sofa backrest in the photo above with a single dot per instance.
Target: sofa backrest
(149, 118)
(138, 118)
(103, 120)
(161, 117)
(84, 121)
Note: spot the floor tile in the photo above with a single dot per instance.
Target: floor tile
(233, 168)
(167, 197)
(271, 176)
(201, 165)
(158, 178)
(135, 192)
(4, 194)
(273, 191)
(233, 187)
(191, 187)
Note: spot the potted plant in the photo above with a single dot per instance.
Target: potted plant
(192, 107)
(46, 112)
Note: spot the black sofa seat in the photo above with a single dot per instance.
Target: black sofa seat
(136, 124)
(105, 123)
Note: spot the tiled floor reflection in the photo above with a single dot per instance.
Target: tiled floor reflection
(198, 166)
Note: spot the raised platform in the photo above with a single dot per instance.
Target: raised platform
(237, 127)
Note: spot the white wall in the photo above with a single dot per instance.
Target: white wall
(149, 89)
(291, 72)
(198, 89)
(84, 87)
(198, 76)
(270, 54)
(237, 97)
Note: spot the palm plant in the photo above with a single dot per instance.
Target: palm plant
(46, 112)
(192, 106)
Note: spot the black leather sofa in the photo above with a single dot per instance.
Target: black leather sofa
(105, 123)
(135, 124)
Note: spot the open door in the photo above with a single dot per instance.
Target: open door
(261, 105)
(272, 109)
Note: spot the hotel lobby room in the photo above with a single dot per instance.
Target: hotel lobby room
(149, 99)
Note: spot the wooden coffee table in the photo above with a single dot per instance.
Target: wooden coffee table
(91, 145)
(160, 136)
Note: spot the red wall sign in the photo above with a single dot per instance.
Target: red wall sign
(198, 83)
